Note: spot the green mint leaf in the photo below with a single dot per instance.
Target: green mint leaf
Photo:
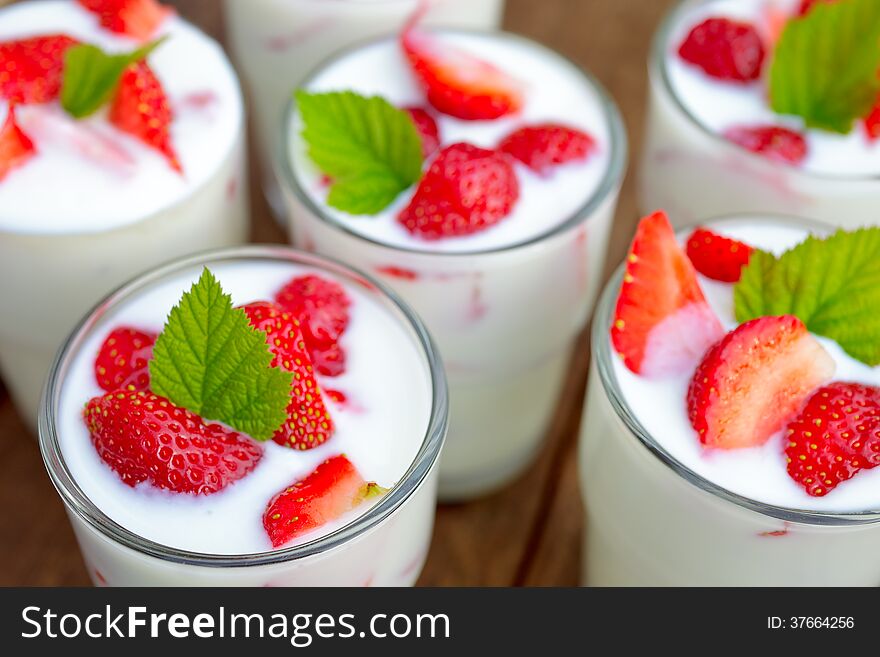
(832, 284)
(369, 148)
(825, 65)
(91, 76)
(211, 361)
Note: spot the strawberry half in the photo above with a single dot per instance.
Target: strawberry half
(123, 360)
(138, 19)
(334, 488)
(771, 141)
(308, 422)
(754, 380)
(31, 69)
(662, 322)
(16, 147)
(141, 109)
(458, 83)
(465, 190)
(717, 257)
(542, 147)
(836, 436)
(144, 437)
(725, 49)
(427, 128)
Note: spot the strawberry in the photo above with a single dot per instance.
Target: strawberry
(144, 437)
(541, 147)
(308, 423)
(751, 382)
(662, 322)
(836, 436)
(16, 147)
(725, 49)
(321, 306)
(141, 108)
(334, 488)
(457, 83)
(31, 69)
(872, 122)
(138, 19)
(123, 360)
(465, 190)
(773, 142)
(717, 257)
(427, 128)
(806, 5)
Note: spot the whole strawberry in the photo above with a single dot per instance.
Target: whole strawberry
(542, 147)
(31, 69)
(725, 49)
(123, 360)
(16, 147)
(138, 19)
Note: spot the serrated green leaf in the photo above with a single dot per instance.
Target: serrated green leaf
(826, 63)
(832, 284)
(369, 148)
(211, 361)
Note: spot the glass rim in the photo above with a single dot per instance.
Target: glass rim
(658, 71)
(611, 181)
(412, 480)
(602, 357)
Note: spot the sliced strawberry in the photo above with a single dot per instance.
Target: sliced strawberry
(717, 257)
(144, 437)
(427, 129)
(334, 488)
(541, 147)
(771, 141)
(123, 360)
(836, 436)
(141, 109)
(138, 19)
(16, 147)
(725, 49)
(751, 382)
(308, 422)
(872, 122)
(465, 190)
(662, 323)
(458, 83)
(31, 69)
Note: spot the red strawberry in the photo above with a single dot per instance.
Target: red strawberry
(123, 360)
(144, 437)
(725, 49)
(754, 380)
(141, 109)
(427, 129)
(138, 19)
(872, 122)
(31, 69)
(773, 142)
(662, 323)
(807, 5)
(16, 147)
(466, 189)
(717, 257)
(321, 306)
(541, 147)
(457, 83)
(308, 423)
(334, 488)
(836, 436)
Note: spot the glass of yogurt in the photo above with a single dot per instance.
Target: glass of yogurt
(504, 303)
(387, 415)
(714, 144)
(93, 204)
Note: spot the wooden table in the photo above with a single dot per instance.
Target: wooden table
(527, 534)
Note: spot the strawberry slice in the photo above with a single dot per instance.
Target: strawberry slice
(427, 129)
(751, 382)
(138, 19)
(144, 437)
(31, 69)
(465, 190)
(141, 109)
(872, 122)
(773, 142)
(717, 257)
(542, 147)
(836, 436)
(662, 322)
(16, 147)
(123, 360)
(458, 83)
(334, 488)
(725, 49)
(308, 421)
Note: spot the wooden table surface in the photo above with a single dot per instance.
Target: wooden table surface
(527, 534)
